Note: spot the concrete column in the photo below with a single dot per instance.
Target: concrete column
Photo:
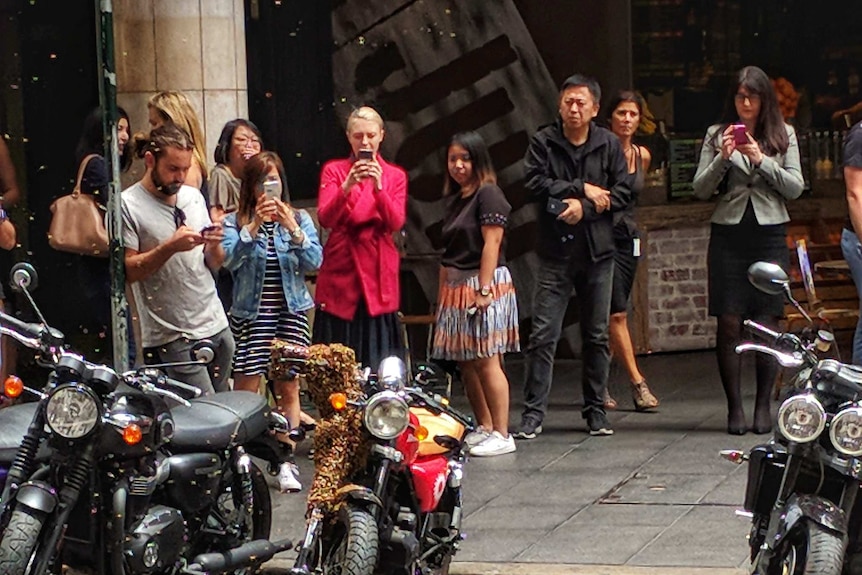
(194, 46)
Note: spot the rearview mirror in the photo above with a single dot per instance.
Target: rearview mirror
(23, 277)
(768, 278)
(202, 351)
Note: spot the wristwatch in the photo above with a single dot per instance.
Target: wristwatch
(296, 233)
(485, 291)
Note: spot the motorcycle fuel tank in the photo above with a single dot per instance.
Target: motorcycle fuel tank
(429, 480)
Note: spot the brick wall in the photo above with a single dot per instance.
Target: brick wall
(677, 289)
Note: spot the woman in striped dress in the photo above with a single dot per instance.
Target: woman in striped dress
(269, 247)
(477, 312)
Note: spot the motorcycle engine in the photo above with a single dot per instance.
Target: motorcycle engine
(156, 541)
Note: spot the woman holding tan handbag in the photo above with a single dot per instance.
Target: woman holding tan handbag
(92, 272)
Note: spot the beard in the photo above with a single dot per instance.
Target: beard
(167, 189)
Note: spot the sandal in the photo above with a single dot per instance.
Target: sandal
(643, 397)
(609, 402)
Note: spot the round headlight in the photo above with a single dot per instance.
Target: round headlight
(801, 418)
(845, 431)
(72, 411)
(386, 415)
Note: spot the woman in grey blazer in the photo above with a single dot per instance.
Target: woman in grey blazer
(751, 173)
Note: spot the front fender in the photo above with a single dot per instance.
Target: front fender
(812, 508)
(359, 494)
(38, 496)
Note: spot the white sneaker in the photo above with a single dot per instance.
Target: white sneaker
(287, 478)
(496, 444)
(476, 437)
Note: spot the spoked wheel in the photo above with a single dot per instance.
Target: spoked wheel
(353, 545)
(810, 550)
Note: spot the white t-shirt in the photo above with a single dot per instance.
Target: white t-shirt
(179, 299)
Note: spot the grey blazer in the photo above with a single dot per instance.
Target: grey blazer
(777, 179)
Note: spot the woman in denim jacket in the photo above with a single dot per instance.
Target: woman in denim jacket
(269, 247)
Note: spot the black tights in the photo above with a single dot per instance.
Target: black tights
(730, 332)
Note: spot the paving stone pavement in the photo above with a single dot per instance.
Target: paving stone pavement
(653, 498)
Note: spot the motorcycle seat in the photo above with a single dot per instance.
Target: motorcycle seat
(219, 421)
(14, 421)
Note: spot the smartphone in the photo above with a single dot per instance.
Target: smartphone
(740, 136)
(366, 154)
(208, 229)
(556, 207)
(272, 189)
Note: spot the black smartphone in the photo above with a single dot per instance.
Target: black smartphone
(366, 154)
(207, 229)
(556, 207)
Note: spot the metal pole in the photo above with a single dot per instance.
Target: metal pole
(108, 103)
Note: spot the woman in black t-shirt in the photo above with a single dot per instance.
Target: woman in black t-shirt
(477, 312)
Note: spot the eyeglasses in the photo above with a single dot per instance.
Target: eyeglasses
(750, 97)
(179, 217)
(243, 142)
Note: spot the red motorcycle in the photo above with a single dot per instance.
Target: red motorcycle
(386, 496)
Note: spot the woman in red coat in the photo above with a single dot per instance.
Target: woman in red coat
(362, 202)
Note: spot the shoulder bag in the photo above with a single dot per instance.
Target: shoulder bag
(78, 221)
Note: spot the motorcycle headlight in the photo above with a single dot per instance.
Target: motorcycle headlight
(801, 418)
(845, 431)
(72, 411)
(386, 415)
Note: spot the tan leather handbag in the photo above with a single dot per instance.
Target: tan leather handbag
(78, 222)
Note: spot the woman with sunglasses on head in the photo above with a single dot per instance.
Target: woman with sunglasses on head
(750, 164)
(625, 113)
(477, 312)
(269, 247)
(240, 139)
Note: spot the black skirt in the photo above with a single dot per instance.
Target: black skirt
(625, 267)
(372, 338)
(732, 248)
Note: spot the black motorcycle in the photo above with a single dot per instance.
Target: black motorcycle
(386, 496)
(803, 485)
(110, 478)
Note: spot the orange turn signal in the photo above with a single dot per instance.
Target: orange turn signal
(132, 434)
(421, 433)
(338, 401)
(13, 386)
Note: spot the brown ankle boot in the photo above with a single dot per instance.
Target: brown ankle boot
(643, 397)
(609, 402)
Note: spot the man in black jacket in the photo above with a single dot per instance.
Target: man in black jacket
(578, 175)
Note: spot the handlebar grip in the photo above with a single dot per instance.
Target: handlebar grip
(33, 330)
(762, 329)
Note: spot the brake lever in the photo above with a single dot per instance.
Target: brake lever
(151, 388)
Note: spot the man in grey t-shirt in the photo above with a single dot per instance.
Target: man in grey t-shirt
(170, 244)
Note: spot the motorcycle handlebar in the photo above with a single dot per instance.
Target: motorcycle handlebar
(194, 391)
(435, 404)
(24, 329)
(762, 329)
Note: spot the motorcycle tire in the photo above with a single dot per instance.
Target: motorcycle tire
(19, 541)
(811, 550)
(353, 547)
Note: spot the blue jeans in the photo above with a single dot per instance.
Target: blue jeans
(852, 250)
(210, 378)
(554, 282)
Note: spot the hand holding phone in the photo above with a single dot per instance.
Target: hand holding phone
(740, 135)
(555, 206)
(366, 155)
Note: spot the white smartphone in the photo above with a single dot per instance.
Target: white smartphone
(272, 189)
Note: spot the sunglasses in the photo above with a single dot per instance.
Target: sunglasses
(179, 217)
